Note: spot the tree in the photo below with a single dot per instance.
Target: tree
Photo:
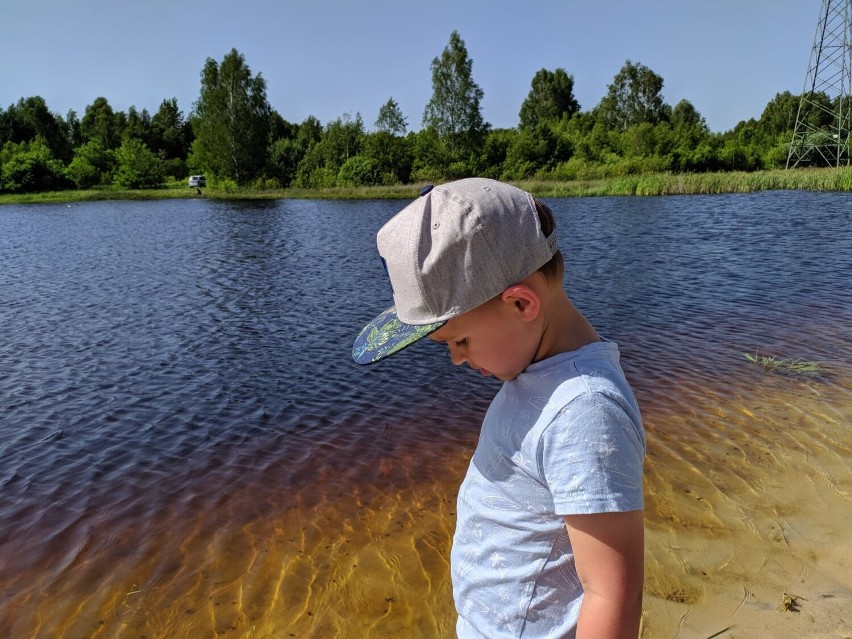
(689, 137)
(138, 125)
(550, 98)
(390, 119)
(72, 129)
(231, 120)
(30, 119)
(779, 115)
(391, 155)
(633, 98)
(137, 166)
(100, 123)
(92, 165)
(340, 141)
(454, 110)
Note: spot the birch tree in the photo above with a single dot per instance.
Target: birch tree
(231, 120)
(455, 112)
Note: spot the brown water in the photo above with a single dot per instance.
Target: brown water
(184, 455)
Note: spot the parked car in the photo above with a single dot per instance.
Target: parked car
(196, 181)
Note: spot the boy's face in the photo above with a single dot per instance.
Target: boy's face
(493, 338)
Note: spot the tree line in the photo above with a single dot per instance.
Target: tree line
(235, 137)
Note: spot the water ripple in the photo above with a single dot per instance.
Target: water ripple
(177, 399)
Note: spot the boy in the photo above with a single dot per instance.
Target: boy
(549, 531)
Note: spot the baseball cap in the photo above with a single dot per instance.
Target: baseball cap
(455, 247)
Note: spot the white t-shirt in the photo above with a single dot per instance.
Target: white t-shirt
(565, 437)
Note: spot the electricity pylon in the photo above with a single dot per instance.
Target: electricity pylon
(822, 130)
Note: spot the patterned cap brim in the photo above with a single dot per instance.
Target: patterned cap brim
(386, 335)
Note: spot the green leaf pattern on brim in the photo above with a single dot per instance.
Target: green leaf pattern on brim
(386, 335)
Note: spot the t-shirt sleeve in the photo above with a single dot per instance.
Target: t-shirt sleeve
(591, 457)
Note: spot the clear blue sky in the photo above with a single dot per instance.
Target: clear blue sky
(330, 57)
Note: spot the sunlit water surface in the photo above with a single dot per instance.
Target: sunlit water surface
(186, 449)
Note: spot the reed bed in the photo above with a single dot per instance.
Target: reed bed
(654, 184)
(835, 179)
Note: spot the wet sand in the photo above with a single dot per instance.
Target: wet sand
(748, 499)
(748, 491)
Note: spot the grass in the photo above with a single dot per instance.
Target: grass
(833, 179)
(179, 190)
(785, 364)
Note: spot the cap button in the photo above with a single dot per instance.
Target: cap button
(426, 189)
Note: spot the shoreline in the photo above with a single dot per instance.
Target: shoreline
(655, 184)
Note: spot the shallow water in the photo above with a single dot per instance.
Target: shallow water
(187, 449)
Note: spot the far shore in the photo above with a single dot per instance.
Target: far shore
(824, 179)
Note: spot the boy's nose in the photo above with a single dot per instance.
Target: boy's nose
(456, 356)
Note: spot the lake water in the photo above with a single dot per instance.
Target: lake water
(187, 450)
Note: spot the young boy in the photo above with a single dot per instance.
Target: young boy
(549, 533)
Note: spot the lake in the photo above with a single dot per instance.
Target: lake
(187, 450)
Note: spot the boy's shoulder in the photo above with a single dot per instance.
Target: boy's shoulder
(588, 374)
(589, 364)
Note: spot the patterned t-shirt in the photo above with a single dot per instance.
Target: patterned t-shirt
(563, 438)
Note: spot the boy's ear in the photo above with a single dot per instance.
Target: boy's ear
(524, 300)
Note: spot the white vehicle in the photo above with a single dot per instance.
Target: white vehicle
(196, 181)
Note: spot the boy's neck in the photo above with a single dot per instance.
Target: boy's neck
(564, 329)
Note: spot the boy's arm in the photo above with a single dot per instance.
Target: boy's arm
(609, 554)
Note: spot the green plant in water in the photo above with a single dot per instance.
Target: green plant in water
(770, 362)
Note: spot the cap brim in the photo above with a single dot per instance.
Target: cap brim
(387, 335)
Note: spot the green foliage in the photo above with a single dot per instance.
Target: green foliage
(284, 158)
(29, 167)
(92, 165)
(551, 98)
(231, 120)
(341, 140)
(100, 123)
(359, 170)
(530, 151)
(634, 97)
(30, 119)
(391, 120)
(632, 139)
(390, 154)
(170, 133)
(137, 167)
(430, 156)
(137, 126)
(454, 111)
(496, 150)
(174, 168)
(779, 116)
(321, 178)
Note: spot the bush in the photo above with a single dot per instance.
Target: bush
(138, 166)
(82, 173)
(359, 171)
(29, 167)
(321, 178)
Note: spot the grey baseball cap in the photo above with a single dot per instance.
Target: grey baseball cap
(455, 247)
